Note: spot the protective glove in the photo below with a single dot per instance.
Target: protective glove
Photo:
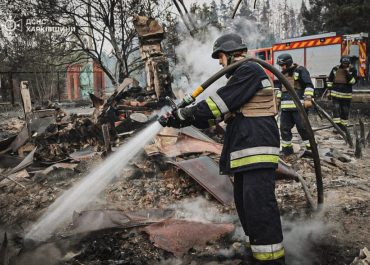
(177, 119)
(307, 103)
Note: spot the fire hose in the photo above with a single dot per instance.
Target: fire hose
(190, 98)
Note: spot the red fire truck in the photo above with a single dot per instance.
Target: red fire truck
(319, 53)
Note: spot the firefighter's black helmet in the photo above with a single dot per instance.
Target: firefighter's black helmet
(228, 43)
(345, 59)
(285, 59)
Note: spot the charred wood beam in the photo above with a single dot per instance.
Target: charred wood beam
(4, 251)
(285, 172)
(323, 128)
(106, 136)
(2, 177)
(345, 135)
(307, 193)
(358, 147)
(368, 138)
(362, 132)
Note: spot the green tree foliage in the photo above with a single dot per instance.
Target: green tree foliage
(313, 17)
(265, 25)
(341, 16)
(347, 16)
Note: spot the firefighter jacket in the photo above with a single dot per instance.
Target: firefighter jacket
(340, 82)
(251, 138)
(300, 79)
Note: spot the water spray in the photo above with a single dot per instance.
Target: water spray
(87, 189)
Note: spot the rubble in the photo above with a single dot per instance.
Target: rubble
(363, 257)
(172, 143)
(4, 259)
(67, 148)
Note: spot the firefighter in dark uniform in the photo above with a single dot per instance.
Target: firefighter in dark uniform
(300, 79)
(340, 82)
(251, 146)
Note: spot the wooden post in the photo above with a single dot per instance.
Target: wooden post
(345, 134)
(362, 132)
(27, 105)
(106, 136)
(26, 98)
(11, 88)
(58, 87)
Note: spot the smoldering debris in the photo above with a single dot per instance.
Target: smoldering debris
(202, 210)
(300, 237)
(166, 234)
(47, 254)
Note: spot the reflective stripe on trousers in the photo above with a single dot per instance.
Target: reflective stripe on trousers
(268, 252)
(337, 94)
(336, 120)
(286, 143)
(344, 122)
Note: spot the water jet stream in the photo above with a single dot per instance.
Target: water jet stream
(88, 188)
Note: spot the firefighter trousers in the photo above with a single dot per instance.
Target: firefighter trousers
(254, 194)
(287, 121)
(341, 108)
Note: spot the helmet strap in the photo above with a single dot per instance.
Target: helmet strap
(230, 59)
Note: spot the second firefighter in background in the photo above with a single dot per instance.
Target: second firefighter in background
(340, 81)
(300, 79)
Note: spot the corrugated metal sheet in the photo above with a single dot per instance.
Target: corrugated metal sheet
(205, 171)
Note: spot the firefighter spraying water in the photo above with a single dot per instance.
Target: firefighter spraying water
(251, 146)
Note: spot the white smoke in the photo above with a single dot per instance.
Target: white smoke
(299, 238)
(201, 210)
(299, 235)
(194, 55)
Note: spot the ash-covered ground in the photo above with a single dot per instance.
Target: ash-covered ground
(333, 236)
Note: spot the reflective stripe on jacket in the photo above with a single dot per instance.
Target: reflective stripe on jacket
(340, 82)
(300, 79)
(250, 142)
